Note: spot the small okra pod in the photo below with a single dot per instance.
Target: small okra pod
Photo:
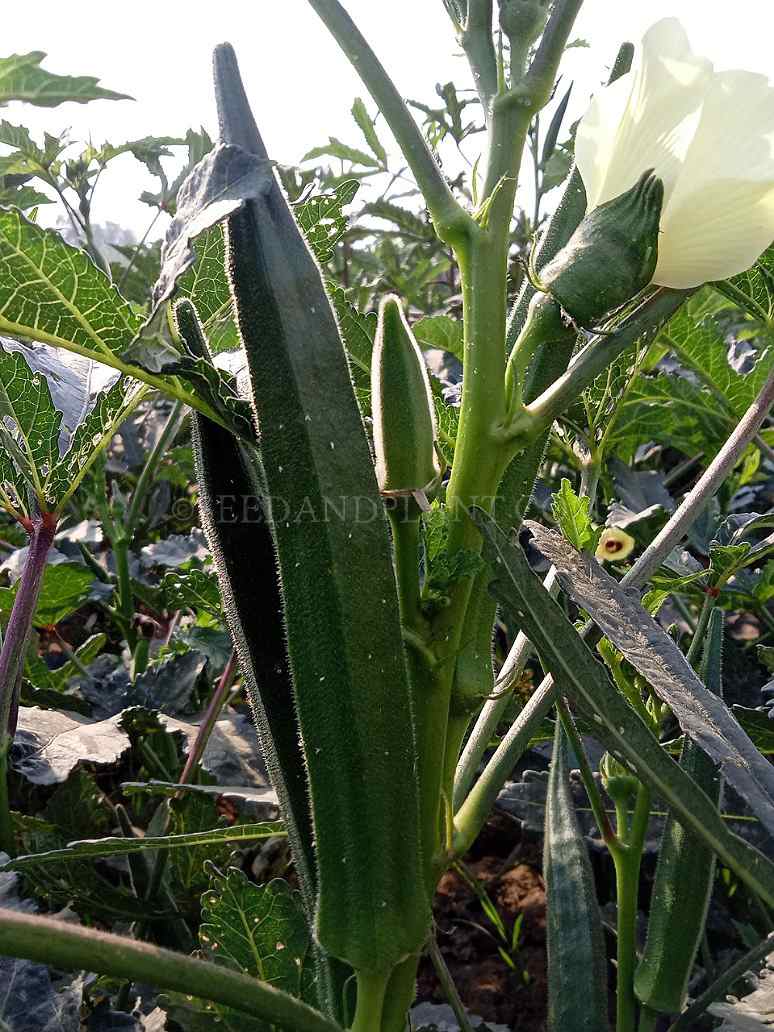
(402, 405)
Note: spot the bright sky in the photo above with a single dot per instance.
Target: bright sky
(300, 87)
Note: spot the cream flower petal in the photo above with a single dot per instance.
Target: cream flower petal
(617, 142)
(718, 232)
(720, 216)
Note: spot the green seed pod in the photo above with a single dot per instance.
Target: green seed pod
(611, 256)
(402, 405)
(684, 874)
(351, 690)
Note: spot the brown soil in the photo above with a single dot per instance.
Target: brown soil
(508, 869)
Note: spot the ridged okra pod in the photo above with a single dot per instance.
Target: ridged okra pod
(402, 405)
(351, 686)
(684, 874)
(232, 515)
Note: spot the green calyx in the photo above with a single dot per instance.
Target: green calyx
(403, 413)
(611, 256)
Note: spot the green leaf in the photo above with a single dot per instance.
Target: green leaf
(577, 976)
(256, 929)
(617, 726)
(54, 293)
(113, 846)
(28, 157)
(699, 344)
(408, 223)
(756, 286)
(702, 715)
(336, 149)
(91, 436)
(206, 284)
(725, 559)
(65, 588)
(29, 431)
(678, 412)
(358, 330)
(192, 589)
(573, 516)
(322, 220)
(22, 78)
(440, 331)
(366, 125)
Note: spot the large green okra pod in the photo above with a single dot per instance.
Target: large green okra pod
(684, 874)
(352, 694)
(231, 510)
(232, 515)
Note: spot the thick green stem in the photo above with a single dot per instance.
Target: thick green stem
(75, 947)
(478, 44)
(401, 990)
(371, 989)
(648, 1020)
(627, 862)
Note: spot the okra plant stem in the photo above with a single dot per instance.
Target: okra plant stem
(476, 40)
(371, 989)
(75, 947)
(446, 213)
(627, 860)
(42, 529)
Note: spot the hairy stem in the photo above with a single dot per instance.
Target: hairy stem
(75, 947)
(41, 530)
(371, 988)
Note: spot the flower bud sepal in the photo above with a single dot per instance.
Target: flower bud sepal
(611, 257)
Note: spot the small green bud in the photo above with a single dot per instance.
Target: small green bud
(523, 20)
(619, 782)
(611, 256)
(402, 405)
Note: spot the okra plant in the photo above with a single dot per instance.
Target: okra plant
(367, 534)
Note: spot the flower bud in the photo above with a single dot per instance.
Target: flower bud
(614, 544)
(402, 406)
(523, 20)
(611, 256)
(619, 782)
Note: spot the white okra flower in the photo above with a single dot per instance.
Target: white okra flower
(708, 135)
